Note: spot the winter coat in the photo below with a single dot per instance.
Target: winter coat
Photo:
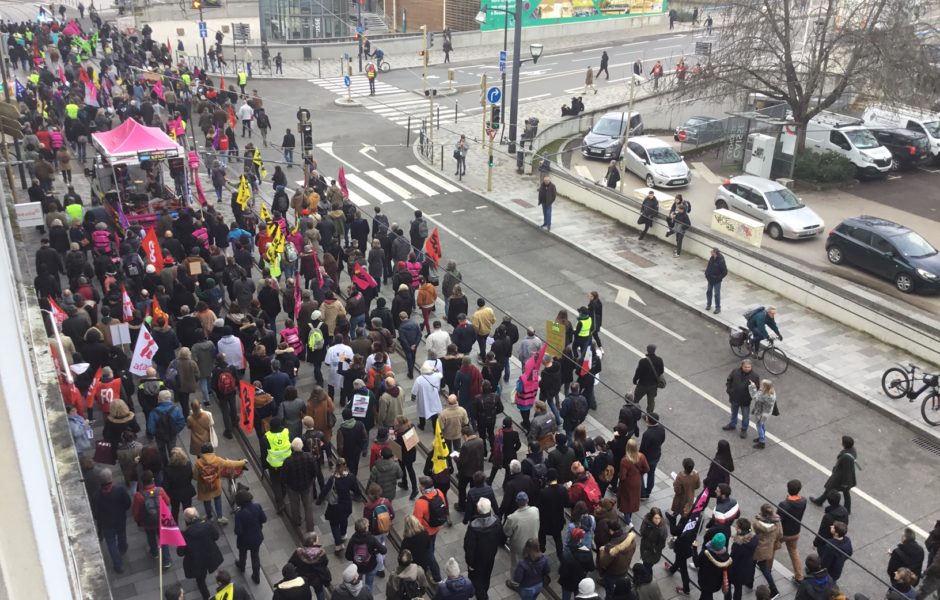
(684, 488)
(208, 473)
(297, 589)
(630, 484)
(616, 556)
(843, 474)
(561, 459)
(831, 515)
(481, 543)
(386, 473)
(832, 556)
(716, 269)
(201, 554)
(652, 540)
(577, 563)
(249, 520)
(412, 572)
(763, 404)
(791, 512)
(520, 526)
(737, 386)
(553, 500)
(178, 482)
(711, 565)
(373, 548)
(472, 453)
(815, 586)
(741, 572)
(200, 431)
(293, 412)
(451, 420)
(312, 563)
(769, 537)
(907, 554)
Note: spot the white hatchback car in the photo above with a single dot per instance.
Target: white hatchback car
(782, 213)
(656, 162)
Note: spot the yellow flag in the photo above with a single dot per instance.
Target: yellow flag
(244, 193)
(259, 163)
(439, 459)
(296, 227)
(264, 213)
(278, 240)
(226, 593)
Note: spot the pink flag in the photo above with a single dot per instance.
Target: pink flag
(91, 95)
(56, 311)
(158, 89)
(296, 295)
(122, 218)
(127, 307)
(341, 179)
(170, 534)
(200, 195)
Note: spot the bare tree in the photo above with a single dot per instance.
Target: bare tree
(811, 53)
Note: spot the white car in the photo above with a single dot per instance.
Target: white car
(782, 213)
(655, 162)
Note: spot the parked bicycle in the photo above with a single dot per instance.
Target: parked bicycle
(898, 382)
(773, 358)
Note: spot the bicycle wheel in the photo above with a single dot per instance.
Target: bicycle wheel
(775, 360)
(740, 350)
(385, 67)
(895, 383)
(930, 409)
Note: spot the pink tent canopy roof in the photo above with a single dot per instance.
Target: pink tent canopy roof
(130, 137)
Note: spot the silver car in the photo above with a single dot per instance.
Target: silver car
(656, 163)
(782, 213)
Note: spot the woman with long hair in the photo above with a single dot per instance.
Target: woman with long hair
(721, 468)
(653, 535)
(337, 493)
(531, 572)
(596, 310)
(200, 427)
(632, 469)
(763, 401)
(178, 482)
(415, 539)
(403, 426)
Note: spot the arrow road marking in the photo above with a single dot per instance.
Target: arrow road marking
(624, 295)
(366, 149)
(327, 148)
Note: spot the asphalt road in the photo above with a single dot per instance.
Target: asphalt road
(531, 276)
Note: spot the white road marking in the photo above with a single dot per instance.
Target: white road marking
(527, 98)
(678, 378)
(327, 148)
(402, 193)
(433, 178)
(481, 207)
(368, 188)
(623, 299)
(561, 54)
(459, 210)
(584, 171)
(428, 191)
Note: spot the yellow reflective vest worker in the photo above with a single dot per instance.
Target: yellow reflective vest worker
(278, 447)
(585, 324)
(242, 78)
(71, 110)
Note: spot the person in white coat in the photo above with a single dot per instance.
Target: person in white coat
(334, 379)
(426, 391)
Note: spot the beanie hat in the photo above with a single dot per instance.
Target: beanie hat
(586, 587)
(350, 573)
(452, 569)
(718, 542)
(577, 534)
(522, 498)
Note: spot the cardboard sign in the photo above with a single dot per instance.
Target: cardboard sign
(360, 406)
(410, 438)
(29, 214)
(555, 337)
(120, 334)
(194, 267)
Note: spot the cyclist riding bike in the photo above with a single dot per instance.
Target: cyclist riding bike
(378, 55)
(758, 323)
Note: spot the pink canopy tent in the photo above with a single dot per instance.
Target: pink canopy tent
(131, 141)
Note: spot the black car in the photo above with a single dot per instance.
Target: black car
(700, 130)
(908, 148)
(886, 249)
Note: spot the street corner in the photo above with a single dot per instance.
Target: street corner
(347, 102)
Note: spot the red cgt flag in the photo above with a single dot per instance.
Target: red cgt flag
(362, 279)
(432, 247)
(153, 254)
(246, 401)
(341, 180)
(56, 311)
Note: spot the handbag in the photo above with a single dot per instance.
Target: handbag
(331, 497)
(776, 411)
(213, 438)
(456, 153)
(660, 378)
(104, 454)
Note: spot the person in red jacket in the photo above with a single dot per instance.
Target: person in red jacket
(143, 509)
(583, 487)
(423, 512)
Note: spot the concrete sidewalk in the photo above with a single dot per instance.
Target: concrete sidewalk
(850, 360)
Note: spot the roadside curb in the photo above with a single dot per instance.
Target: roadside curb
(912, 425)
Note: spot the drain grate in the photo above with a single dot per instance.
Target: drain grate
(927, 445)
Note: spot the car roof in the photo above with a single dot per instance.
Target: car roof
(700, 118)
(877, 224)
(647, 141)
(759, 183)
(619, 114)
(901, 132)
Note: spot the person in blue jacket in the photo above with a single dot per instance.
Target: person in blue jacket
(758, 324)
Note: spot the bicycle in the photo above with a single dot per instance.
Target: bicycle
(773, 358)
(898, 382)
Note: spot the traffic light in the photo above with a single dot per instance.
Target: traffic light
(306, 137)
(431, 39)
(197, 4)
(496, 117)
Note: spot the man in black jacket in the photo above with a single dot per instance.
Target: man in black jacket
(553, 500)
(201, 554)
(646, 378)
(715, 271)
(468, 462)
(516, 482)
(560, 459)
(908, 554)
(791, 512)
(651, 445)
(834, 512)
(481, 546)
(737, 387)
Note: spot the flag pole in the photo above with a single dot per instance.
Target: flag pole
(160, 562)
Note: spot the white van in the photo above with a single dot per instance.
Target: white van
(907, 117)
(847, 136)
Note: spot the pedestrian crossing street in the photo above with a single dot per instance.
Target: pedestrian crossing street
(391, 184)
(359, 86)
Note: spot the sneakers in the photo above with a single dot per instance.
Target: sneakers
(743, 433)
(222, 521)
(729, 427)
(759, 445)
(717, 311)
(708, 307)
(675, 254)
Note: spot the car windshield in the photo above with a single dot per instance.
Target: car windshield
(695, 122)
(862, 139)
(662, 156)
(912, 245)
(609, 127)
(933, 128)
(783, 199)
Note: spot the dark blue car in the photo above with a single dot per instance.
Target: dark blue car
(888, 250)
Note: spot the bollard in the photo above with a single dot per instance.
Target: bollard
(442, 157)
(438, 116)
(408, 133)
(520, 161)
(455, 111)
(318, 68)
(341, 67)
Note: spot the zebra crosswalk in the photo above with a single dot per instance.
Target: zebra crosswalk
(359, 86)
(391, 184)
(405, 108)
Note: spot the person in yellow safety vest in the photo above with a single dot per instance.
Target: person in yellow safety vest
(76, 212)
(582, 332)
(242, 80)
(277, 442)
(71, 110)
(34, 78)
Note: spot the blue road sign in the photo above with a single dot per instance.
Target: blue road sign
(347, 81)
(203, 30)
(360, 29)
(493, 95)
(502, 61)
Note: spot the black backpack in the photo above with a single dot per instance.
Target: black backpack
(489, 407)
(579, 409)
(165, 430)
(437, 511)
(150, 517)
(408, 589)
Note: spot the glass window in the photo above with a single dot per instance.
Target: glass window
(880, 244)
(664, 156)
(609, 127)
(912, 245)
(783, 199)
(861, 235)
(838, 139)
(862, 139)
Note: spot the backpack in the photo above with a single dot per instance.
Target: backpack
(579, 409)
(361, 554)
(422, 228)
(409, 589)
(688, 207)
(437, 511)
(315, 341)
(150, 517)
(381, 520)
(165, 430)
(593, 495)
(370, 72)
(488, 408)
(172, 376)
(750, 313)
(132, 265)
(290, 252)
(226, 383)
